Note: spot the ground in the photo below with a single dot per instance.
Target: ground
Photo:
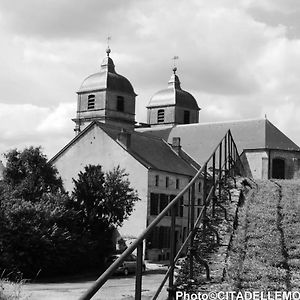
(264, 252)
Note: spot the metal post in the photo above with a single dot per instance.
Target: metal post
(214, 182)
(172, 252)
(204, 196)
(230, 149)
(225, 157)
(220, 170)
(139, 272)
(192, 206)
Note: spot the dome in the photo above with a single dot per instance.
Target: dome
(173, 95)
(107, 79)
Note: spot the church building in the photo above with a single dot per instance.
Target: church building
(164, 154)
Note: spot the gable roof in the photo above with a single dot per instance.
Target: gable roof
(151, 151)
(200, 140)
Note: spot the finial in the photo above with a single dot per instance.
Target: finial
(174, 67)
(266, 116)
(108, 49)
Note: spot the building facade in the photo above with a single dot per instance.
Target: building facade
(162, 156)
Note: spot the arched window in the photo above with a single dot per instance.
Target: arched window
(91, 102)
(160, 116)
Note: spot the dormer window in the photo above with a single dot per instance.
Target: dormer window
(91, 102)
(120, 103)
(160, 116)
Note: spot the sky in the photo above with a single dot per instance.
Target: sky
(239, 59)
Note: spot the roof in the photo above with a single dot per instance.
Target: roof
(200, 140)
(173, 95)
(149, 150)
(107, 78)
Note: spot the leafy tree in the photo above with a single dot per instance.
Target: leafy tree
(28, 175)
(41, 237)
(104, 200)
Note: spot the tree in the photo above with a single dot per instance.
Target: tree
(28, 175)
(41, 237)
(104, 200)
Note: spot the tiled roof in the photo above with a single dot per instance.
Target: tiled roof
(152, 152)
(200, 140)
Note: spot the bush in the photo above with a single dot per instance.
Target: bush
(44, 238)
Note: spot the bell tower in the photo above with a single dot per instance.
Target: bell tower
(107, 97)
(172, 105)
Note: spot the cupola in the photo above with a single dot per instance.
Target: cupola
(172, 105)
(106, 96)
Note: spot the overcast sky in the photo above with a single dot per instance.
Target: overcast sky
(239, 58)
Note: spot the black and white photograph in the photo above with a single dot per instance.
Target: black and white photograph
(150, 150)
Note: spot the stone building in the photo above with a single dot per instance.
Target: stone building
(105, 135)
(164, 154)
(265, 151)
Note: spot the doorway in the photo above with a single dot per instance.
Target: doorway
(278, 168)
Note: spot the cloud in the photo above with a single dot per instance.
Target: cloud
(26, 124)
(240, 59)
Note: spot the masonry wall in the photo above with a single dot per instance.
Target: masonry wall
(159, 187)
(292, 162)
(256, 164)
(96, 147)
(169, 115)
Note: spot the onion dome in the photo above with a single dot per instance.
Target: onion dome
(173, 95)
(106, 79)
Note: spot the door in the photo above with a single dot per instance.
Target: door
(278, 168)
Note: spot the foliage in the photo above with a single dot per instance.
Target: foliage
(28, 175)
(104, 200)
(10, 290)
(40, 236)
(46, 233)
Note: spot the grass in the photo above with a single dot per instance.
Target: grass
(291, 225)
(10, 290)
(265, 253)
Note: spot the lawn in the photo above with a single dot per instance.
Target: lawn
(265, 251)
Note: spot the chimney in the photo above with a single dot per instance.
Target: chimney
(124, 138)
(176, 144)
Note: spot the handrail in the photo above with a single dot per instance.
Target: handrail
(105, 276)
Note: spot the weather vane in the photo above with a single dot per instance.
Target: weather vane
(174, 61)
(108, 49)
(108, 39)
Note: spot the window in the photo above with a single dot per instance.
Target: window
(154, 204)
(171, 197)
(181, 207)
(186, 117)
(91, 102)
(156, 180)
(163, 202)
(120, 103)
(167, 182)
(160, 116)
(177, 183)
(199, 186)
(198, 206)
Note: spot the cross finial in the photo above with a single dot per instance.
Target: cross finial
(108, 49)
(174, 62)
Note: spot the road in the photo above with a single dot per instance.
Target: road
(117, 288)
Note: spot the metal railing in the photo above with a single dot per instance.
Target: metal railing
(223, 163)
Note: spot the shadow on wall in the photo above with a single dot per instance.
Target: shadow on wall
(246, 165)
